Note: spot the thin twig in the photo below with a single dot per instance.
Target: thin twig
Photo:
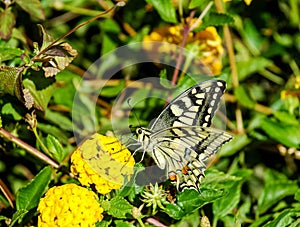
(74, 29)
(28, 148)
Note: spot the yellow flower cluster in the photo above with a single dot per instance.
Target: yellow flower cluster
(208, 41)
(69, 205)
(102, 161)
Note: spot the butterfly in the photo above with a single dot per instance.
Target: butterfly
(181, 140)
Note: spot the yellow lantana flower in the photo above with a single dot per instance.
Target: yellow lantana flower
(102, 161)
(69, 205)
(208, 41)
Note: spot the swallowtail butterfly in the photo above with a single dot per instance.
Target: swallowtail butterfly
(181, 140)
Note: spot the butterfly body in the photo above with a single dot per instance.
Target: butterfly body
(180, 139)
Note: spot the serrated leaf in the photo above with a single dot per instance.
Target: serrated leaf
(29, 196)
(120, 208)
(11, 80)
(165, 9)
(274, 192)
(55, 148)
(288, 135)
(243, 97)
(7, 24)
(215, 19)
(33, 7)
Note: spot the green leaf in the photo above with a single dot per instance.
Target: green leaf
(8, 53)
(215, 19)
(11, 81)
(174, 211)
(113, 91)
(252, 37)
(226, 204)
(286, 117)
(41, 90)
(285, 218)
(297, 195)
(60, 120)
(252, 65)
(119, 208)
(165, 9)
(260, 221)
(29, 196)
(273, 192)
(18, 216)
(33, 7)
(198, 3)
(286, 134)
(104, 223)
(55, 148)
(243, 98)
(120, 223)
(53, 130)
(9, 109)
(7, 24)
(235, 145)
(190, 200)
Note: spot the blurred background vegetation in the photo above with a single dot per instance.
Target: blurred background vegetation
(259, 62)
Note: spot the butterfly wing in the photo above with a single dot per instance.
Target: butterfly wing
(183, 151)
(195, 106)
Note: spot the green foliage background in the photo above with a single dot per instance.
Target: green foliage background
(255, 178)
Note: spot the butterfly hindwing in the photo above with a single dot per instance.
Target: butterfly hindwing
(195, 106)
(183, 151)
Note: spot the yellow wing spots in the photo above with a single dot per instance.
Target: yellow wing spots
(102, 161)
(200, 95)
(194, 91)
(176, 110)
(186, 120)
(220, 84)
(217, 89)
(187, 101)
(199, 102)
(209, 110)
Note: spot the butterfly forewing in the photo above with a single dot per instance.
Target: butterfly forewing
(180, 139)
(195, 106)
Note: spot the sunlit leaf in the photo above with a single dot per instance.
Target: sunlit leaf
(33, 7)
(165, 9)
(8, 21)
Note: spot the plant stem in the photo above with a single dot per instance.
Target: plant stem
(234, 73)
(28, 148)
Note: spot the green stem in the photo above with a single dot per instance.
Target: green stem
(28, 148)
(45, 149)
(140, 222)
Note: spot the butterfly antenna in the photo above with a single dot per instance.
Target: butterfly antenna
(134, 113)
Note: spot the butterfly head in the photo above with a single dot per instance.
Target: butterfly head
(143, 134)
